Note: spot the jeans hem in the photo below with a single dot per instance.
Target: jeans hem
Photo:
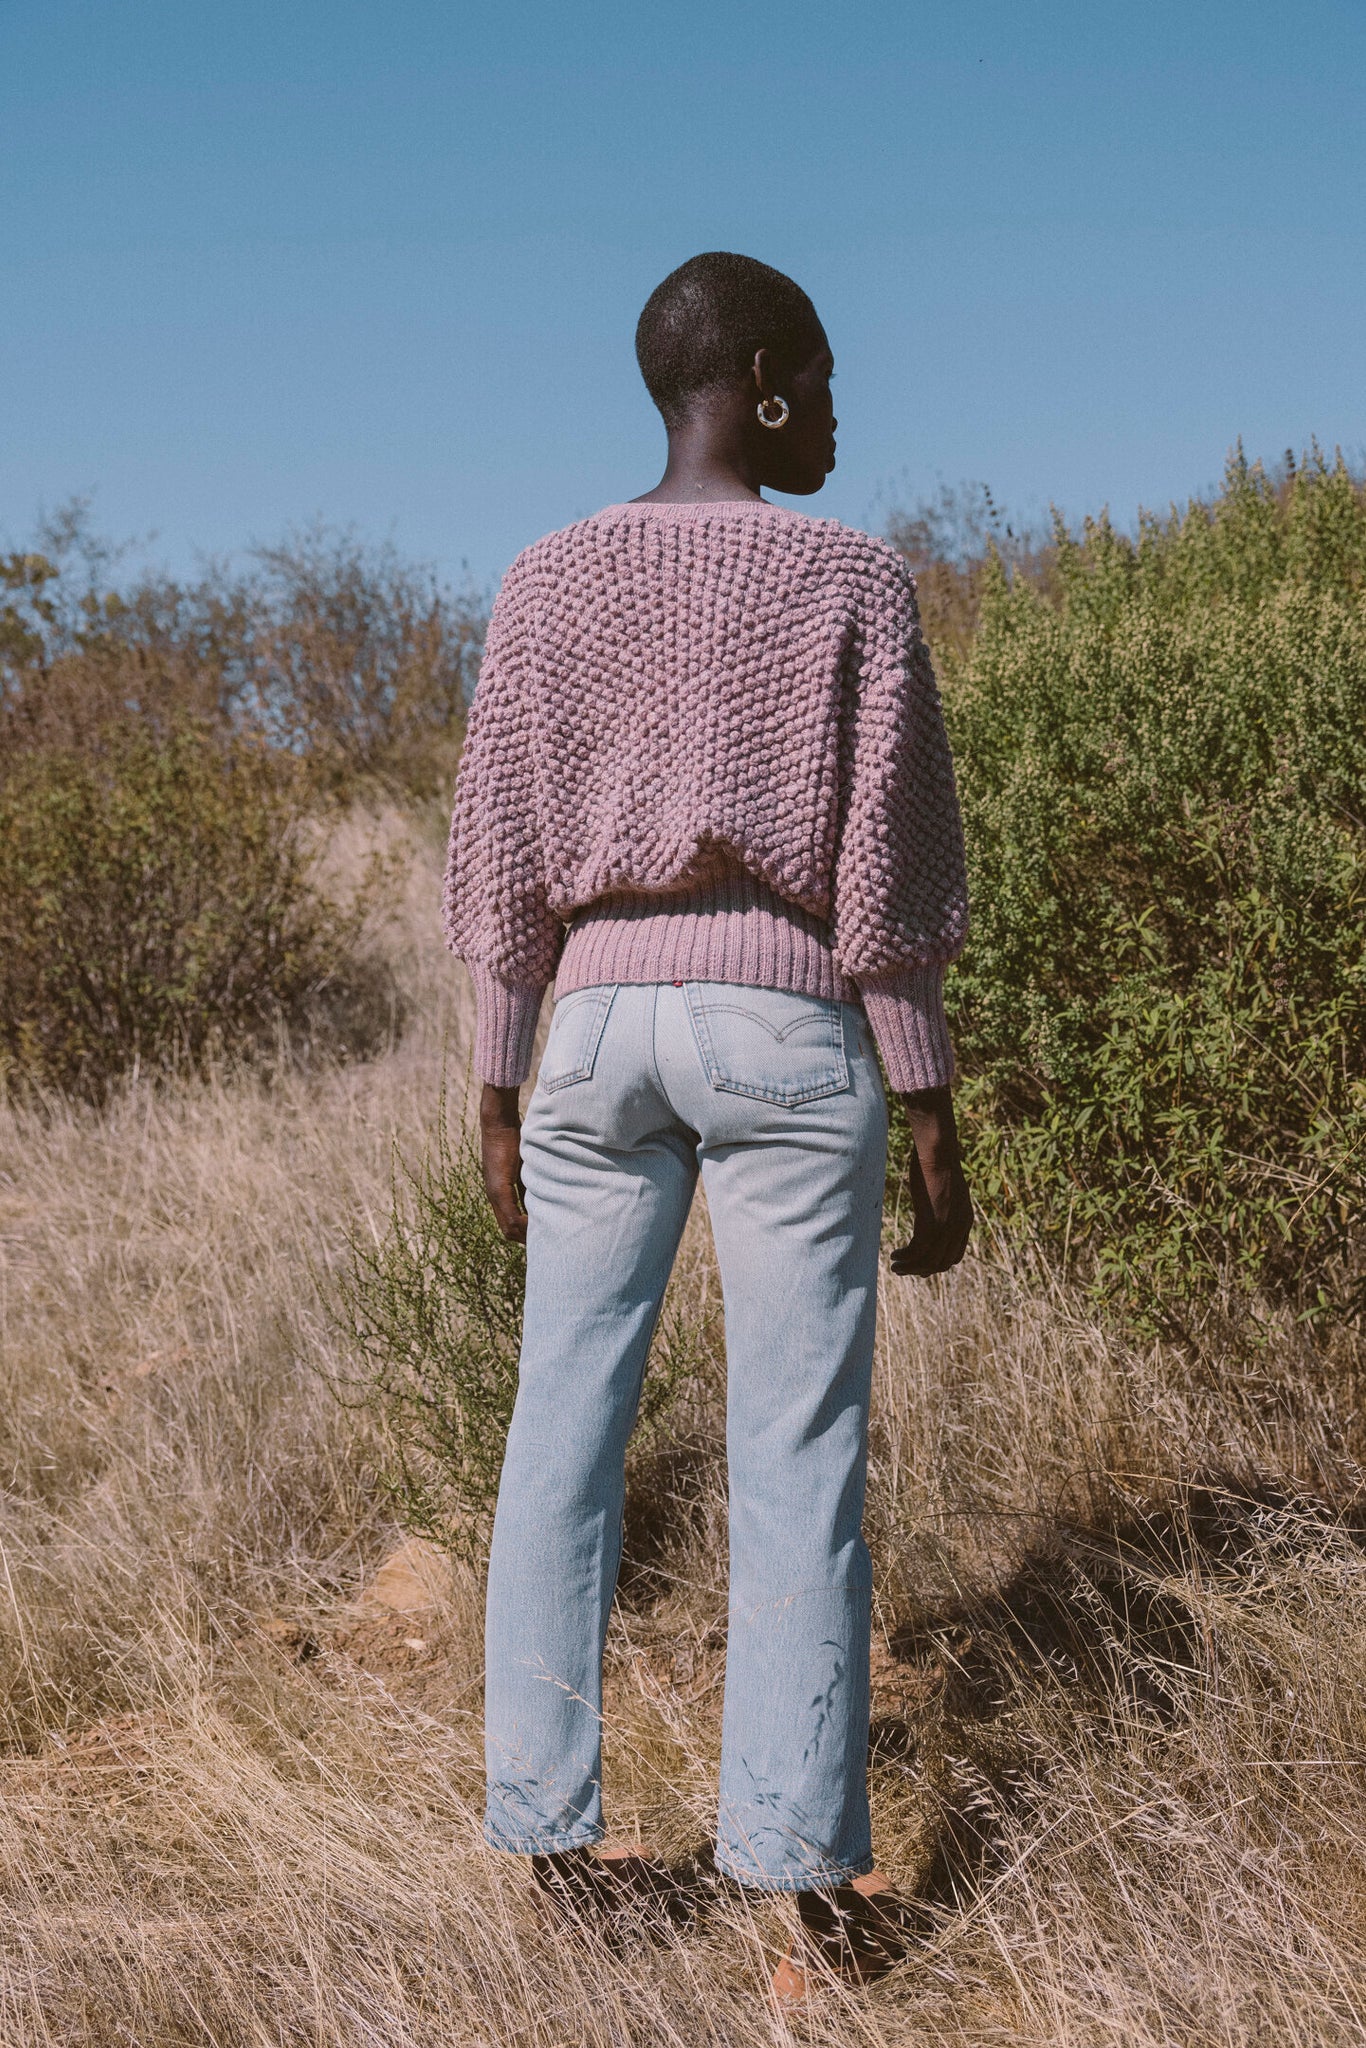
(543, 1845)
(823, 1879)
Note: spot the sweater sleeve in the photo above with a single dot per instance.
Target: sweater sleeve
(900, 894)
(495, 912)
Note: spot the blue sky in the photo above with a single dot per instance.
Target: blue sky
(382, 264)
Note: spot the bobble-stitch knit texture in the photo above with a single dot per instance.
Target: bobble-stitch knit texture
(725, 714)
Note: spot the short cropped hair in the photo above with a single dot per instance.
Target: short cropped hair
(702, 327)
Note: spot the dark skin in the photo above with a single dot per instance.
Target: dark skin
(719, 451)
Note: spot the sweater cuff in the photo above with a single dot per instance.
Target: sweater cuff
(505, 1031)
(906, 1010)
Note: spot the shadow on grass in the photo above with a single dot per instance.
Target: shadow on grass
(1104, 1620)
(666, 1517)
(1102, 1613)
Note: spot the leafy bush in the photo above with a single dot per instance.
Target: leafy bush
(435, 1309)
(359, 659)
(157, 906)
(334, 651)
(165, 752)
(1162, 1011)
(951, 542)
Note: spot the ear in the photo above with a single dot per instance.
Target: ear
(762, 374)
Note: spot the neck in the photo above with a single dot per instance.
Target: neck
(708, 461)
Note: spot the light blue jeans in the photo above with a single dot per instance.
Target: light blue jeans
(777, 1099)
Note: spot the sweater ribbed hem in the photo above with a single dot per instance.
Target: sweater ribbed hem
(505, 1033)
(737, 929)
(734, 928)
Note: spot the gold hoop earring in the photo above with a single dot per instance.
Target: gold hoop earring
(782, 419)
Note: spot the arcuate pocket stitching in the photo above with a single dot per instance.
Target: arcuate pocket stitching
(774, 1031)
(575, 1033)
(818, 1069)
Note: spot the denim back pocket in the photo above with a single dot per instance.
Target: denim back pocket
(768, 1043)
(576, 1028)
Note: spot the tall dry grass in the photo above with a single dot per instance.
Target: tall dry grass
(1119, 1669)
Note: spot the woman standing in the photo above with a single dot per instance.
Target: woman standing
(706, 787)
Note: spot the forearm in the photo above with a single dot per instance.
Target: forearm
(939, 1190)
(500, 1145)
(500, 1108)
(929, 1112)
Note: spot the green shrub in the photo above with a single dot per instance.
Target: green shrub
(157, 906)
(434, 1308)
(1161, 1015)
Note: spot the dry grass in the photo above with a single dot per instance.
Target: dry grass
(1119, 1677)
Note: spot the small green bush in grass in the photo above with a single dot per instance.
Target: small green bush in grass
(435, 1309)
(1161, 1015)
(157, 906)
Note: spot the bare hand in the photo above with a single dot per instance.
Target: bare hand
(500, 1144)
(939, 1189)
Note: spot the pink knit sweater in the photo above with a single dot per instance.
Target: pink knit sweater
(707, 745)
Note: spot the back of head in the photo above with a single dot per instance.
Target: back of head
(702, 327)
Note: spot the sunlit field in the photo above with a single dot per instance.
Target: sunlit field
(1119, 1660)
